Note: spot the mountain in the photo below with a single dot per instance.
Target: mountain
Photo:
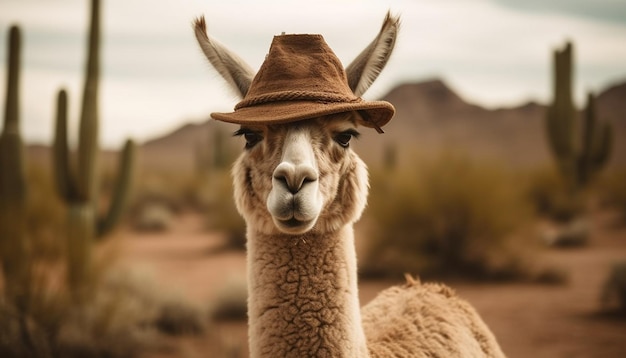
(611, 105)
(431, 117)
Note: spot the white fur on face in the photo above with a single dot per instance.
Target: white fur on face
(295, 200)
(299, 179)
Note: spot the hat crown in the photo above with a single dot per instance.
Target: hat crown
(299, 67)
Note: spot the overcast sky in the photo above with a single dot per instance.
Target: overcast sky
(154, 78)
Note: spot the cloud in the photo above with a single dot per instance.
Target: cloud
(600, 10)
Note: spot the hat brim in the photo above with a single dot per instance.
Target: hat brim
(373, 113)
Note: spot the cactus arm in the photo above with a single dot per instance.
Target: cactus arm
(559, 116)
(596, 143)
(11, 113)
(122, 189)
(602, 147)
(588, 134)
(66, 187)
(589, 131)
(597, 139)
(88, 131)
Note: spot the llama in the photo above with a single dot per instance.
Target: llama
(300, 188)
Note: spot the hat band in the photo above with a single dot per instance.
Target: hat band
(296, 96)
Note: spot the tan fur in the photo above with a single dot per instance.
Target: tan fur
(425, 320)
(302, 280)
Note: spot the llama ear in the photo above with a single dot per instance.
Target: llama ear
(364, 70)
(230, 66)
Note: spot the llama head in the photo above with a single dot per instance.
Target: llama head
(298, 114)
(300, 176)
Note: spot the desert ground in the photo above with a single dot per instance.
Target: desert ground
(529, 319)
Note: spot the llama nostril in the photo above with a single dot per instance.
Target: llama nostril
(282, 180)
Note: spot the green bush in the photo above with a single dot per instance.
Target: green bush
(444, 216)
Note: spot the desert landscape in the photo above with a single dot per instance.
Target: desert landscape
(140, 251)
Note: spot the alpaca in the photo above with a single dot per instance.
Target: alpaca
(300, 188)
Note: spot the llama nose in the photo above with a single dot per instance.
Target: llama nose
(294, 177)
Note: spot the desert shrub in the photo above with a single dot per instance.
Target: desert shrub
(450, 215)
(168, 312)
(548, 194)
(230, 300)
(123, 317)
(221, 212)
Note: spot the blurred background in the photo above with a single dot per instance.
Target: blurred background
(502, 174)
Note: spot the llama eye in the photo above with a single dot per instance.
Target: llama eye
(343, 138)
(251, 137)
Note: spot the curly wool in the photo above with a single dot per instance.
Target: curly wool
(425, 320)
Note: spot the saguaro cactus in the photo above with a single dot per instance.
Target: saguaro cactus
(79, 188)
(13, 245)
(579, 150)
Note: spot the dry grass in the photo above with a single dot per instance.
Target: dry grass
(448, 216)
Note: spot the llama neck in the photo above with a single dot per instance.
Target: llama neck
(303, 299)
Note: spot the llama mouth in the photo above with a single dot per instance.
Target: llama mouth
(295, 226)
(293, 223)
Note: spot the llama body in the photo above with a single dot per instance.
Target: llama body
(300, 189)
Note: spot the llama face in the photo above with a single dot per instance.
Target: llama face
(299, 177)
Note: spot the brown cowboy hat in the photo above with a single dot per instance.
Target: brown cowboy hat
(301, 78)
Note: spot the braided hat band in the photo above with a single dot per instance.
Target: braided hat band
(322, 97)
